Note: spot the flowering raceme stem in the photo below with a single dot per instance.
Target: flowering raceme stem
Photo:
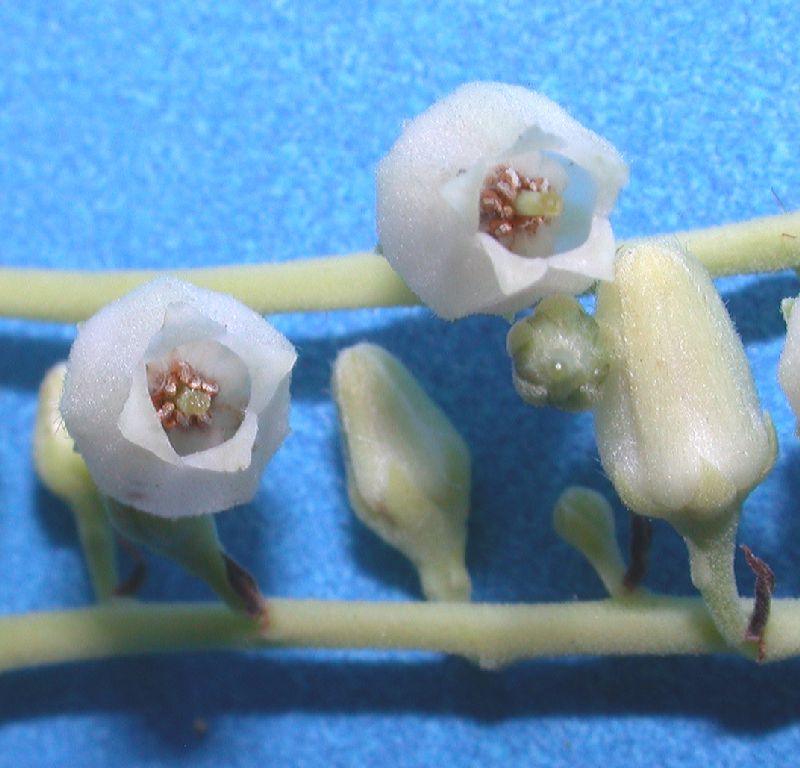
(495, 197)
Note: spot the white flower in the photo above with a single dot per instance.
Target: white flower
(495, 197)
(177, 397)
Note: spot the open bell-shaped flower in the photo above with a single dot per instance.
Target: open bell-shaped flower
(176, 397)
(495, 197)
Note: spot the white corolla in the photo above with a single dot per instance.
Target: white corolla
(495, 197)
(176, 397)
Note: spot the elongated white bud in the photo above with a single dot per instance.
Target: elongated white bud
(408, 470)
(680, 430)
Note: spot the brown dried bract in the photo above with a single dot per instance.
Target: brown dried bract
(246, 588)
(765, 585)
(641, 536)
(180, 377)
(500, 190)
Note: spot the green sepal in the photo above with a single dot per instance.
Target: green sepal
(192, 542)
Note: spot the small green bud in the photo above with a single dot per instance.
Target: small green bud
(559, 357)
(584, 519)
(408, 470)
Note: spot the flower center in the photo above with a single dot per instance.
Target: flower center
(512, 204)
(182, 397)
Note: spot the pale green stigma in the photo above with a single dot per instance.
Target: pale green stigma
(193, 402)
(531, 203)
(182, 397)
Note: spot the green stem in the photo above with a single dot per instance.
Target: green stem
(493, 634)
(358, 280)
(768, 244)
(97, 542)
(64, 473)
(711, 557)
(335, 282)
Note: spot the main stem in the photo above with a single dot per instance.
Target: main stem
(490, 634)
(307, 285)
(358, 280)
(768, 244)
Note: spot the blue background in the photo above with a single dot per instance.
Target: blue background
(176, 134)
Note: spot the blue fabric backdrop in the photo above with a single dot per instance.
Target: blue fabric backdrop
(156, 134)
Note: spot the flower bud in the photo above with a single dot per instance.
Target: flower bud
(59, 466)
(63, 472)
(679, 428)
(558, 355)
(408, 470)
(584, 519)
(789, 365)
